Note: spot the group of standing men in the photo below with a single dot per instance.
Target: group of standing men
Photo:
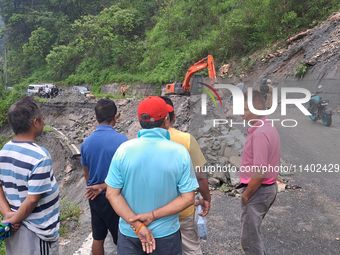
(48, 92)
(149, 182)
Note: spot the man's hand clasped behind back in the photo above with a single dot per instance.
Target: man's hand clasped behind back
(143, 232)
(93, 191)
(146, 218)
(8, 216)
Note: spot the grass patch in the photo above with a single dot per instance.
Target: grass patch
(300, 70)
(48, 129)
(41, 100)
(69, 217)
(223, 187)
(3, 249)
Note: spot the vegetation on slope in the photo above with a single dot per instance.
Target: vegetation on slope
(98, 42)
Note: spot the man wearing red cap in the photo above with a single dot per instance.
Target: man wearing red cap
(153, 176)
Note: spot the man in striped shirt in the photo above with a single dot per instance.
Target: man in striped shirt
(29, 192)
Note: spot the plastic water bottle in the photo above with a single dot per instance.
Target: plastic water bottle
(202, 225)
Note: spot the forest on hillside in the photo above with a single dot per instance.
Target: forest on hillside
(104, 41)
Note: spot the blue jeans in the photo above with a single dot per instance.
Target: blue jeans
(168, 245)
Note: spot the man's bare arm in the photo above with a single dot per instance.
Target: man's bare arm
(203, 184)
(4, 206)
(119, 204)
(177, 205)
(86, 174)
(93, 191)
(204, 190)
(25, 209)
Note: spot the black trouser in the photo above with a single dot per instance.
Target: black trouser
(103, 218)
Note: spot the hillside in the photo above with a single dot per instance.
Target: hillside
(98, 42)
(74, 116)
(318, 49)
(314, 53)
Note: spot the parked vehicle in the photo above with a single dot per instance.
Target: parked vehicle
(33, 89)
(82, 90)
(318, 109)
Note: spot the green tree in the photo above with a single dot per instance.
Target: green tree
(38, 46)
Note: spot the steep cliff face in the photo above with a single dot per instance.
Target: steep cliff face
(317, 48)
(316, 51)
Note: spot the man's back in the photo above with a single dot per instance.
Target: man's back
(97, 152)
(25, 168)
(151, 171)
(262, 149)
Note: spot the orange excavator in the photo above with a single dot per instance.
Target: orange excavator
(185, 87)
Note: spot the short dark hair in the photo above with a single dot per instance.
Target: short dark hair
(105, 110)
(22, 113)
(150, 124)
(169, 102)
(258, 99)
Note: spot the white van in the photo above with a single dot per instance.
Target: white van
(33, 89)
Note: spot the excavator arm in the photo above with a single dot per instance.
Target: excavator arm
(185, 87)
(207, 62)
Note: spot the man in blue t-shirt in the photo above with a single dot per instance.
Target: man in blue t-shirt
(96, 155)
(153, 175)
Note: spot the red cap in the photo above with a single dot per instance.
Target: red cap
(155, 107)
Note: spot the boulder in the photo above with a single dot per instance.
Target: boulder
(234, 178)
(229, 152)
(230, 141)
(220, 176)
(206, 129)
(235, 161)
(237, 145)
(214, 182)
(69, 168)
(281, 185)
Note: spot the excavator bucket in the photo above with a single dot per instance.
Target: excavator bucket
(211, 69)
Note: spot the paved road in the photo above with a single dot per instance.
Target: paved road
(304, 222)
(301, 221)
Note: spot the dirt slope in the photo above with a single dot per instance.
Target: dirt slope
(319, 48)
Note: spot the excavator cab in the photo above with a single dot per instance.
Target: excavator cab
(170, 88)
(174, 88)
(178, 87)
